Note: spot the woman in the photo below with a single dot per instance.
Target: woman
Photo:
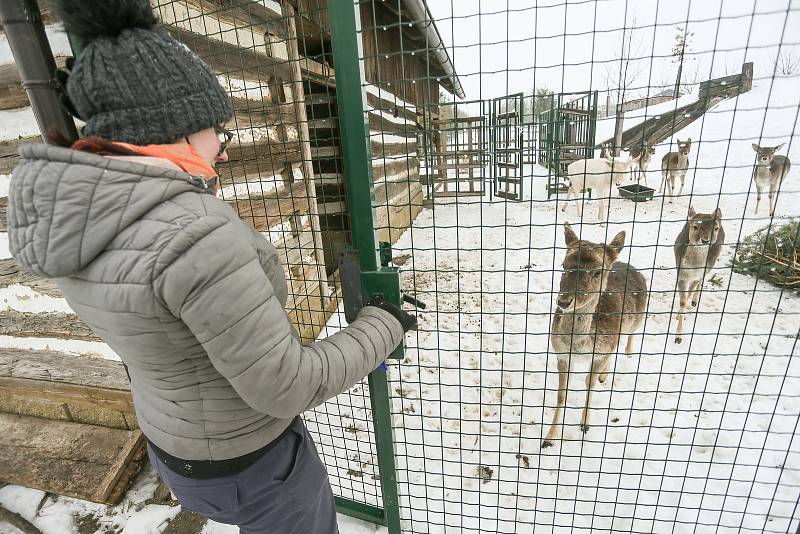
(187, 295)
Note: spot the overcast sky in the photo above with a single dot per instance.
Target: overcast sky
(505, 46)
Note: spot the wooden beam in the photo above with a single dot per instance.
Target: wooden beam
(252, 113)
(9, 152)
(241, 14)
(278, 206)
(63, 368)
(387, 106)
(382, 150)
(11, 274)
(73, 459)
(381, 124)
(239, 53)
(55, 385)
(260, 159)
(382, 170)
(229, 58)
(46, 324)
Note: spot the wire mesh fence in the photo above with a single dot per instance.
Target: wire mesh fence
(696, 436)
(484, 137)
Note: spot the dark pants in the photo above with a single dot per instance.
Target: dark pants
(286, 491)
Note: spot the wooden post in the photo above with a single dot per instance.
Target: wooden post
(298, 96)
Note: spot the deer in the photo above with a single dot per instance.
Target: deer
(697, 249)
(641, 155)
(675, 165)
(600, 299)
(769, 170)
(605, 150)
(597, 174)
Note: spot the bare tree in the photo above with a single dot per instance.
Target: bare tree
(623, 74)
(785, 63)
(627, 67)
(681, 46)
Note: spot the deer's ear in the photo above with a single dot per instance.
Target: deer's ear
(755, 147)
(718, 214)
(692, 212)
(780, 146)
(618, 242)
(689, 141)
(569, 235)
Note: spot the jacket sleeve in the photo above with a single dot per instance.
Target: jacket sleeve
(210, 277)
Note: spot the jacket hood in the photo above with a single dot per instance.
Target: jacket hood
(66, 206)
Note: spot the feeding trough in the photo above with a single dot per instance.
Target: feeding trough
(636, 192)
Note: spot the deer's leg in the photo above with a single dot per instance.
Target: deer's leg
(681, 307)
(598, 364)
(758, 197)
(566, 200)
(602, 209)
(563, 379)
(683, 180)
(671, 186)
(694, 292)
(603, 370)
(771, 199)
(663, 181)
(629, 345)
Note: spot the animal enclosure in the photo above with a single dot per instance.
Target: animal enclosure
(583, 362)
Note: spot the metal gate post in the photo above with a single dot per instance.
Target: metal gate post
(345, 26)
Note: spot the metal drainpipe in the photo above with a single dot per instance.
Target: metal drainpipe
(24, 29)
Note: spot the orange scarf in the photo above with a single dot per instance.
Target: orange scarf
(181, 154)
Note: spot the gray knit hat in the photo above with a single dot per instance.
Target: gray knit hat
(133, 82)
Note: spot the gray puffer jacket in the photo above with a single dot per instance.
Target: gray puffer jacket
(188, 295)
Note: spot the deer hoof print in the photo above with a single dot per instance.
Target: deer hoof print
(678, 339)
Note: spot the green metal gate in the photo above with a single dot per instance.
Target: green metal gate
(506, 146)
(566, 134)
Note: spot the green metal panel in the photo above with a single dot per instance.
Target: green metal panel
(345, 25)
(351, 97)
(503, 127)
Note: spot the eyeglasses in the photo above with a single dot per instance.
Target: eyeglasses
(225, 136)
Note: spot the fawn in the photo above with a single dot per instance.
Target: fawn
(697, 249)
(599, 300)
(675, 165)
(641, 155)
(770, 170)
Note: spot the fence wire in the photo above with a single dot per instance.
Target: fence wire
(692, 437)
(480, 117)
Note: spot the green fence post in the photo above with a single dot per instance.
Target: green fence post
(345, 25)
